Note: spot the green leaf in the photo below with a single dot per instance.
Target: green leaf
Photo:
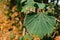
(28, 5)
(41, 5)
(21, 38)
(57, 9)
(19, 5)
(25, 37)
(0, 0)
(28, 37)
(39, 24)
(11, 36)
(23, 1)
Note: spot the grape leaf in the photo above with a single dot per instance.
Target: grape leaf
(39, 24)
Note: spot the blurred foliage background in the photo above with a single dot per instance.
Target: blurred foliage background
(30, 19)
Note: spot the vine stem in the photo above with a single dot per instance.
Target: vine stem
(54, 34)
(57, 20)
(24, 31)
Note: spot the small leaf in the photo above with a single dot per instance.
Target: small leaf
(0, 0)
(23, 1)
(11, 36)
(28, 5)
(41, 5)
(21, 38)
(28, 37)
(19, 5)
